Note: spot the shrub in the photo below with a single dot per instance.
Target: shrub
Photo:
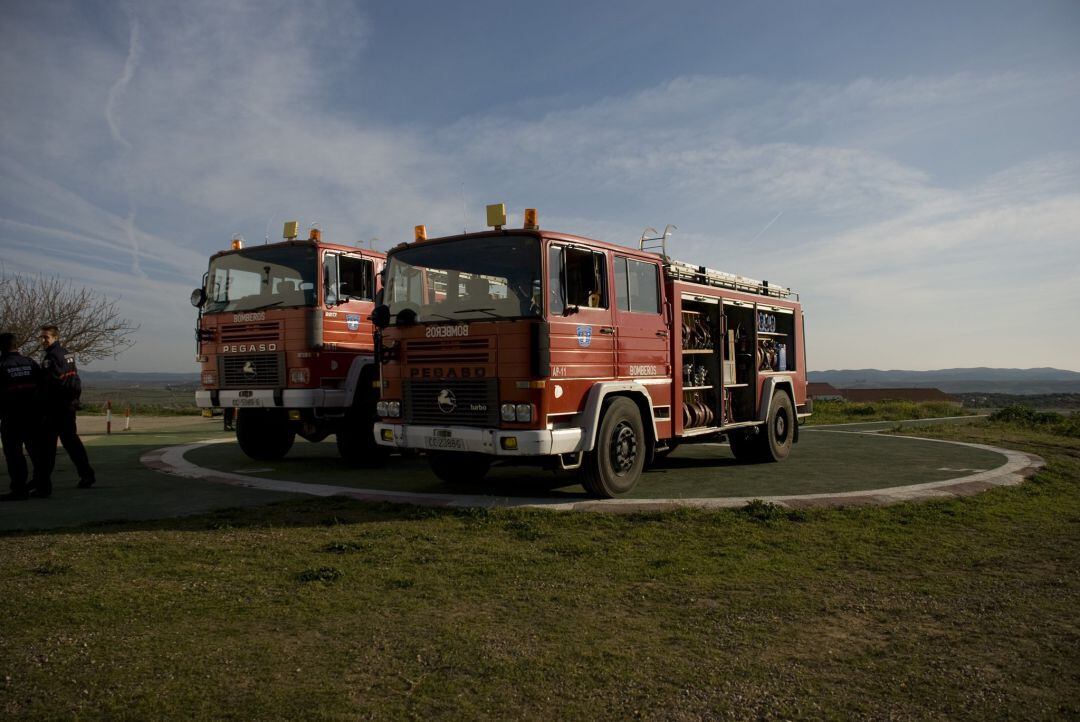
(1046, 421)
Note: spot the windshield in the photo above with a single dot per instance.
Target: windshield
(473, 278)
(258, 278)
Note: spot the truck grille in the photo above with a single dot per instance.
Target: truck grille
(242, 332)
(257, 370)
(454, 402)
(448, 351)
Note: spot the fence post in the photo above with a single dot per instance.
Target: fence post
(127, 418)
(108, 417)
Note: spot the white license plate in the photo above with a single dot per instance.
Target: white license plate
(247, 402)
(443, 442)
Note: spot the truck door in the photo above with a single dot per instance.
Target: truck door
(643, 339)
(349, 293)
(580, 315)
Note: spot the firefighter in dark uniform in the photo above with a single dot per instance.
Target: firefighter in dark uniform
(20, 414)
(62, 389)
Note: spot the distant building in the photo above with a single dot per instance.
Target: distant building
(825, 392)
(897, 395)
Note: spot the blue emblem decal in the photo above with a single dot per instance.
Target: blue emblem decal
(584, 335)
(352, 320)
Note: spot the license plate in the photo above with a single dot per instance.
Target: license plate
(442, 442)
(247, 402)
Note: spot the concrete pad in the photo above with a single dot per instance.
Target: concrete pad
(1016, 467)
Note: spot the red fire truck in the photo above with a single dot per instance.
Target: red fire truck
(285, 338)
(526, 345)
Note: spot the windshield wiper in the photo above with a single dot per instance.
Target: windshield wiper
(264, 306)
(440, 316)
(488, 311)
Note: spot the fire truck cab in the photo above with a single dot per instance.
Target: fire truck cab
(535, 346)
(284, 337)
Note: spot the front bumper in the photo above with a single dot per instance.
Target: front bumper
(532, 442)
(268, 398)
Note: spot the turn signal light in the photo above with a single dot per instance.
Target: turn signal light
(509, 443)
(387, 435)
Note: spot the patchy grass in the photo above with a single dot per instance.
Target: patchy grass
(329, 608)
(841, 412)
(1028, 418)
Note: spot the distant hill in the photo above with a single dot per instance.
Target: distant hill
(959, 380)
(136, 378)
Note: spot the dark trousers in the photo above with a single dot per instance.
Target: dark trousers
(17, 431)
(60, 424)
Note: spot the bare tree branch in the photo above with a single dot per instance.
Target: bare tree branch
(90, 324)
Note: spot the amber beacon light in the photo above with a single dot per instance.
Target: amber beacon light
(420, 233)
(530, 219)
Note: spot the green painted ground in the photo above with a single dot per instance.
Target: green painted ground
(126, 490)
(823, 461)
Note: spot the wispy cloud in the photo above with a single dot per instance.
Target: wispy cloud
(217, 117)
(116, 92)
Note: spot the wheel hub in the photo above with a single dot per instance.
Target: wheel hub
(623, 448)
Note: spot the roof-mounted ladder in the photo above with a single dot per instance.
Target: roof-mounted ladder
(657, 241)
(720, 279)
(701, 274)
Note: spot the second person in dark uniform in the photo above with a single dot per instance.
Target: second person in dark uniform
(62, 389)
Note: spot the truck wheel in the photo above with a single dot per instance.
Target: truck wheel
(746, 445)
(459, 468)
(356, 441)
(615, 465)
(779, 432)
(264, 434)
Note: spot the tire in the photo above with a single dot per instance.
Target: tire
(459, 467)
(264, 434)
(615, 465)
(745, 445)
(356, 436)
(779, 433)
(771, 442)
(356, 441)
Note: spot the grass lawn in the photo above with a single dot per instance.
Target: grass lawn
(328, 608)
(841, 412)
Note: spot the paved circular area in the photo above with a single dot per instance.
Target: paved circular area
(829, 467)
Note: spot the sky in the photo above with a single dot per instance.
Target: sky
(911, 169)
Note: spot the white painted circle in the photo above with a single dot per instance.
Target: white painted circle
(558, 391)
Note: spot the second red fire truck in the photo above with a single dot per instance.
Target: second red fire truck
(529, 345)
(285, 339)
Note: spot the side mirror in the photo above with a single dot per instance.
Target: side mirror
(381, 316)
(198, 297)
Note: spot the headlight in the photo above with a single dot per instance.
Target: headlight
(209, 378)
(382, 408)
(393, 408)
(524, 412)
(300, 376)
(508, 412)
